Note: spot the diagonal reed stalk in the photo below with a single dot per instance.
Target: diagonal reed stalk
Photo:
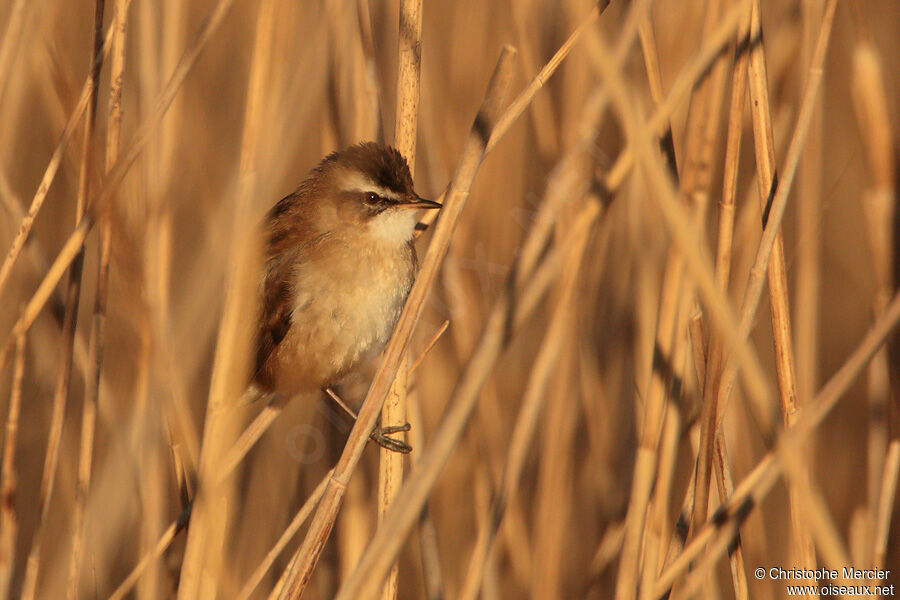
(114, 177)
(286, 536)
(457, 195)
(525, 97)
(63, 381)
(526, 424)
(754, 288)
(47, 179)
(511, 309)
(722, 526)
(152, 556)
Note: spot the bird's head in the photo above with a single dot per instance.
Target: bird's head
(370, 188)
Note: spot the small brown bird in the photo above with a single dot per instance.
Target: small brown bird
(339, 263)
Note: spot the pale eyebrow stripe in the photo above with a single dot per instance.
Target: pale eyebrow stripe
(358, 183)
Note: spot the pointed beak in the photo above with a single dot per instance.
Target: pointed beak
(417, 202)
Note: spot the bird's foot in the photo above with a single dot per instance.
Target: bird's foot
(380, 436)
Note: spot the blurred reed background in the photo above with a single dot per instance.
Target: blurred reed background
(584, 312)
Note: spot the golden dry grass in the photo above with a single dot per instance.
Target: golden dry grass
(615, 397)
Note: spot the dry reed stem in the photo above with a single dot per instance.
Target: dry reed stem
(650, 53)
(753, 291)
(884, 509)
(701, 137)
(764, 145)
(809, 242)
(725, 487)
(555, 471)
(489, 435)
(767, 182)
(113, 134)
(372, 89)
(675, 300)
(723, 526)
(754, 287)
(712, 441)
(726, 206)
(204, 553)
(658, 526)
(521, 102)
(248, 438)
(696, 186)
(95, 354)
(428, 545)
(283, 540)
(543, 120)
(148, 559)
(609, 547)
(8, 478)
(870, 102)
(545, 364)
(709, 383)
(40, 265)
(114, 176)
(814, 517)
(528, 255)
(393, 412)
(699, 64)
(697, 336)
(677, 230)
(515, 109)
(428, 346)
(157, 54)
(49, 174)
(61, 390)
(653, 536)
(457, 195)
(757, 484)
(563, 186)
(708, 52)
(507, 314)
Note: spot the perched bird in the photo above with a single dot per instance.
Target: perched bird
(339, 264)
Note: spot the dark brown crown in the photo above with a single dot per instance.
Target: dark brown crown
(384, 164)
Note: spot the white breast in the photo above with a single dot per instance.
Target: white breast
(347, 312)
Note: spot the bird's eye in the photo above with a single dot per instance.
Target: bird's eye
(372, 198)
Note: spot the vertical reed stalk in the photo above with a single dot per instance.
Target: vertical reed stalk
(393, 412)
(61, 391)
(98, 322)
(205, 558)
(872, 113)
(767, 183)
(9, 526)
